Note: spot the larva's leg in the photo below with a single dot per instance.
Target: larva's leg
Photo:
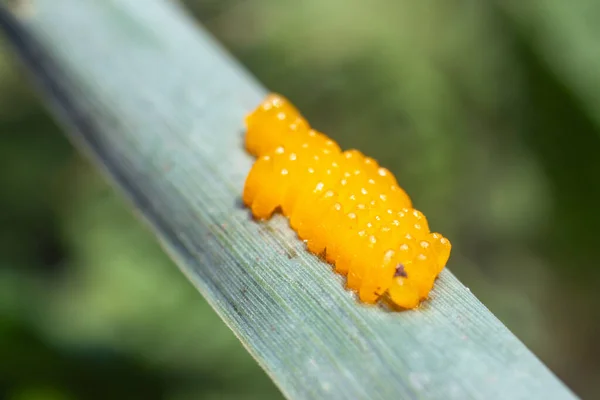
(362, 262)
(364, 244)
(379, 277)
(421, 274)
(355, 271)
(335, 227)
(346, 254)
(341, 251)
(260, 172)
(301, 185)
(264, 205)
(357, 266)
(296, 215)
(270, 196)
(316, 227)
(303, 208)
(368, 295)
(290, 201)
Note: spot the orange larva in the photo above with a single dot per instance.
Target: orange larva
(343, 205)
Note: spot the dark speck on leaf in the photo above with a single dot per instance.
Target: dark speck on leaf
(291, 253)
(400, 271)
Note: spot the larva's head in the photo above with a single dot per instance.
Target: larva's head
(417, 266)
(411, 283)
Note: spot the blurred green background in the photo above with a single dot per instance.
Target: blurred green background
(488, 111)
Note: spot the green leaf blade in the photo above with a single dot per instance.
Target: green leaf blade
(159, 106)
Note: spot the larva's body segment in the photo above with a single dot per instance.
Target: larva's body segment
(343, 205)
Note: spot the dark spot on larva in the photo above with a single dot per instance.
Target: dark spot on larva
(400, 271)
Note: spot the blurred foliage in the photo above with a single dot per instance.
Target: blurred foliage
(487, 111)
